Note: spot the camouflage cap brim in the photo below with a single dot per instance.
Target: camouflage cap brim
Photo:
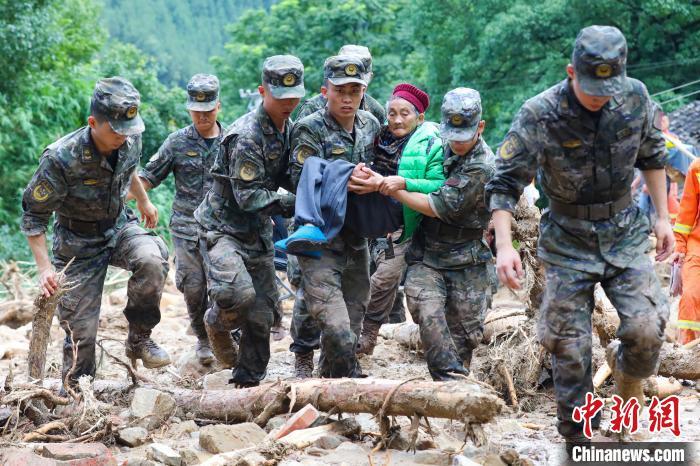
(602, 87)
(450, 133)
(347, 80)
(201, 106)
(130, 127)
(283, 92)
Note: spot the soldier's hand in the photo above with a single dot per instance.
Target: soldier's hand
(368, 181)
(665, 241)
(509, 267)
(149, 214)
(392, 184)
(48, 282)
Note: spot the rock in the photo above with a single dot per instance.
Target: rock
(118, 297)
(330, 441)
(220, 438)
(5, 414)
(425, 444)
(151, 408)
(188, 365)
(350, 448)
(436, 457)
(399, 442)
(492, 460)
(164, 454)
(191, 456)
(132, 436)
(462, 460)
(275, 423)
(252, 459)
(16, 457)
(77, 451)
(300, 420)
(183, 429)
(138, 462)
(218, 380)
(510, 456)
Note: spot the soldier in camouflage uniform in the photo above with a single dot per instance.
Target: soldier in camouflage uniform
(450, 273)
(84, 178)
(236, 233)
(369, 103)
(336, 286)
(189, 154)
(583, 138)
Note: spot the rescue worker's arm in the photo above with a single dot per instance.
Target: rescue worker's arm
(42, 197)
(415, 201)
(651, 160)
(157, 168)
(149, 212)
(249, 181)
(515, 168)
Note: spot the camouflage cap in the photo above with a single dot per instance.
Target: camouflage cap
(461, 114)
(118, 100)
(359, 51)
(600, 59)
(284, 76)
(202, 92)
(345, 69)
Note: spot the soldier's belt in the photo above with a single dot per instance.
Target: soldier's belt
(440, 229)
(87, 228)
(592, 212)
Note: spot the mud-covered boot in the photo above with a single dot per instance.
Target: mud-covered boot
(368, 339)
(304, 365)
(626, 386)
(203, 351)
(139, 345)
(222, 344)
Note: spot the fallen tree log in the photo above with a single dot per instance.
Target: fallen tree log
(460, 400)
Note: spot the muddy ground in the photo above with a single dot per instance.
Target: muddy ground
(531, 434)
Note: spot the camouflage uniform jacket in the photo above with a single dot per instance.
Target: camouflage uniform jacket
(453, 239)
(186, 154)
(250, 167)
(320, 135)
(317, 102)
(77, 183)
(579, 160)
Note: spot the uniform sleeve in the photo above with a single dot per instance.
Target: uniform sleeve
(652, 148)
(516, 163)
(304, 144)
(460, 194)
(160, 164)
(306, 109)
(248, 181)
(434, 173)
(689, 208)
(43, 196)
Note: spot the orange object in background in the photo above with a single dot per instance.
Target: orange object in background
(674, 207)
(687, 233)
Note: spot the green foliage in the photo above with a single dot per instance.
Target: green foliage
(181, 35)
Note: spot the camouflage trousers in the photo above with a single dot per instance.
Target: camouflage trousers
(336, 293)
(564, 328)
(449, 306)
(191, 280)
(243, 294)
(384, 284)
(135, 250)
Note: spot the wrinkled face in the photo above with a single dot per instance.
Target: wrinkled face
(278, 109)
(205, 121)
(402, 117)
(592, 103)
(345, 100)
(103, 134)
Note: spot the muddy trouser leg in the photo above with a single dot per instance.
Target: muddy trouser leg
(146, 257)
(79, 310)
(257, 318)
(306, 335)
(398, 309)
(426, 294)
(191, 280)
(468, 299)
(643, 309)
(564, 329)
(326, 283)
(384, 284)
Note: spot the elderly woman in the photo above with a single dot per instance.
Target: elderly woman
(408, 153)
